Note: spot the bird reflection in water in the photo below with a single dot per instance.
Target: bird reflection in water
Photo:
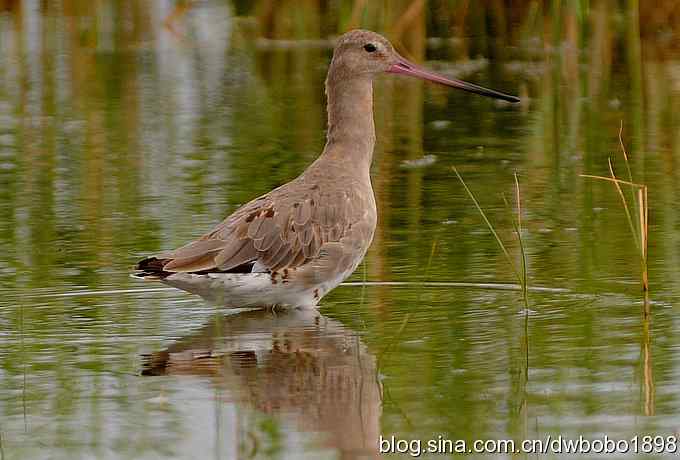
(295, 365)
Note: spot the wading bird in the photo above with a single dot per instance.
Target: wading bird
(294, 244)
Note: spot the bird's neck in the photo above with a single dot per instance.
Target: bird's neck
(351, 132)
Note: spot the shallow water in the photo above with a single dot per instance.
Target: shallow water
(120, 139)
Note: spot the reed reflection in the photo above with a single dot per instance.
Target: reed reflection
(299, 366)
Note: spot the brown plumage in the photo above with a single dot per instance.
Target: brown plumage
(316, 228)
(285, 228)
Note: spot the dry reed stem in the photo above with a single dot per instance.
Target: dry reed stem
(630, 174)
(640, 230)
(636, 237)
(644, 235)
(610, 179)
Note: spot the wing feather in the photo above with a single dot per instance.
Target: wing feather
(284, 229)
(195, 263)
(193, 249)
(237, 253)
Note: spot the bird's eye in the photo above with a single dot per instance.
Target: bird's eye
(370, 47)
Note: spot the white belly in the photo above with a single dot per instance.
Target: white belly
(237, 290)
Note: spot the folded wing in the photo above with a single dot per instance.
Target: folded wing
(276, 230)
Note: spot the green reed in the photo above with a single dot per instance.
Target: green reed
(522, 273)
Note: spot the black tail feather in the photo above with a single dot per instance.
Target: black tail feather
(152, 266)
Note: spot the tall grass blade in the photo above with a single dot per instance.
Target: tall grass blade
(490, 226)
(525, 271)
(633, 229)
(522, 274)
(625, 157)
(394, 340)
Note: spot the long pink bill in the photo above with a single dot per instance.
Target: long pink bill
(406, 68)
